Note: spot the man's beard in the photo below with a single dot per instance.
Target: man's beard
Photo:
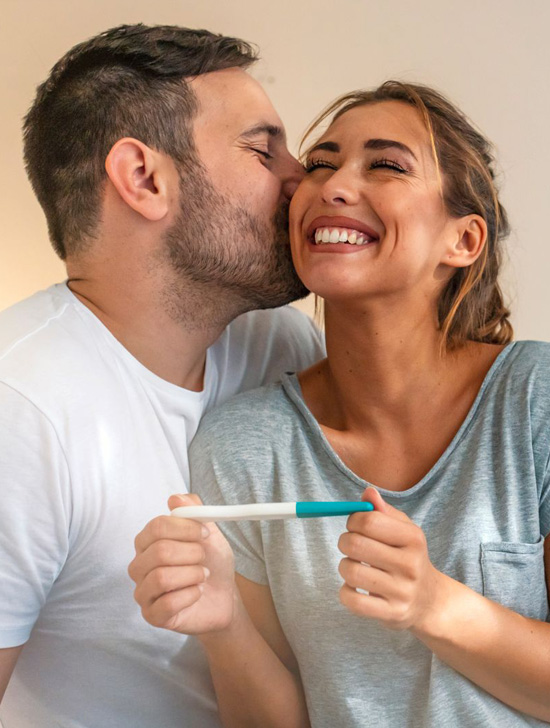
(223, 246)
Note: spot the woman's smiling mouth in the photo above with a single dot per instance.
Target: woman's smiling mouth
(340, 232)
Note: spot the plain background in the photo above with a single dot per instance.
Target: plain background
(491, 57)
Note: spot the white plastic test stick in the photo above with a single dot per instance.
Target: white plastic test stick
(271, 511)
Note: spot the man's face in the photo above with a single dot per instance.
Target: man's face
(232, 228)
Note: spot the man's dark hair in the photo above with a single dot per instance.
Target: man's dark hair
(127, 81)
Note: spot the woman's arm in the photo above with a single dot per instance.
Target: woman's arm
(253, 669)
(501, 651)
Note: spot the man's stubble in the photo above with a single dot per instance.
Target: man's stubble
(226, 259)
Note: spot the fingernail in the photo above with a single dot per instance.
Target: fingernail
(206, 572)
(205, 532)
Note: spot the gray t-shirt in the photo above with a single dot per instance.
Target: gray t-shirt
(484, 507)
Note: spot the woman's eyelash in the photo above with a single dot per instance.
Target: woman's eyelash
(388, 163)
(312, 164)
(375, 164)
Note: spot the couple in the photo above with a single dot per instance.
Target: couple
(432, 610)
(397, 225)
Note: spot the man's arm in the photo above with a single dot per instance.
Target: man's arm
(34, 533)
(8, 658)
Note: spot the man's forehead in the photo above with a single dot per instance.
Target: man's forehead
(231, 99)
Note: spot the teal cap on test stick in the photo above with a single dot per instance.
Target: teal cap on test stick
(314, 509)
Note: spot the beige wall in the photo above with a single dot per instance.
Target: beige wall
(491, 56)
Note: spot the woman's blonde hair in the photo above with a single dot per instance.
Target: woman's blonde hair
(471, 306)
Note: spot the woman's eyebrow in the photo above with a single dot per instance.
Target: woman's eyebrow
(370, 144)
(326, 147)
(386, 144)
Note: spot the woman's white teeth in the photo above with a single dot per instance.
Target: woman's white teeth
(339, 235)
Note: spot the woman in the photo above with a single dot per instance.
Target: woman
(440, 619)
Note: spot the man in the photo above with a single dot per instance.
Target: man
(164, 175)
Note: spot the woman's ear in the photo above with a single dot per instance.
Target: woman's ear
(139, 175)
(468, 243)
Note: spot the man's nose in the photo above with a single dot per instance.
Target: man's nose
(293, 176)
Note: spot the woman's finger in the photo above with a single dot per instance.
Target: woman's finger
(373, 496)
(367, 578)
(166, 553)
(164, 611)
(167, 579)
(361, 548)
(166, 528)
(382, 527)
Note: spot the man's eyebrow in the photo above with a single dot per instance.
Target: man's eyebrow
(371, 144)
(275, 132)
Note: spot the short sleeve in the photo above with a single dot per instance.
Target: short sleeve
(544, 504)
(221, 479)
(34, 514)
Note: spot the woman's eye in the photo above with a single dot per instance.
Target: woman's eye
(388, 164)
(313, 164)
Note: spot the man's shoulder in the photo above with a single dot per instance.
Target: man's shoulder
(272, 325)
(22, 321)
(259, 346)
(45, 348)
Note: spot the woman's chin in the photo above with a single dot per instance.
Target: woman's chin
(333, 285)
(336, 294)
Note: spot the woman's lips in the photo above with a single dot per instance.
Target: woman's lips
(339, 234)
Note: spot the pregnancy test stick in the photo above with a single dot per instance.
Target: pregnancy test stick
(271, 511)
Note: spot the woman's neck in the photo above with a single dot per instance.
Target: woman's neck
(382, 362)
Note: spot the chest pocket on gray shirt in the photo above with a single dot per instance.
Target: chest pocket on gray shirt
(513, 575)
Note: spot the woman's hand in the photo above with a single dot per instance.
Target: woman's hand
(387, 556)
(184, 573)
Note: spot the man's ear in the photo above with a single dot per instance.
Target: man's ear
(468, 243)
(139, 175)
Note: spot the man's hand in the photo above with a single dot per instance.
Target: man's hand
(387, 556)
(184, 573)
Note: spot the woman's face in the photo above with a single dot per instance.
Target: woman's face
(372, 185)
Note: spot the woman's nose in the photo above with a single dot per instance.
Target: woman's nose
(341, 188)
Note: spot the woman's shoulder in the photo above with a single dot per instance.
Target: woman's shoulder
(247, 417)
(521, 376)
(529, 359)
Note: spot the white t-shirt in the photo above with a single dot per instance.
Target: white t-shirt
(91, 445)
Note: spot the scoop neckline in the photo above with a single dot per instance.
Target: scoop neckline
(293, 390)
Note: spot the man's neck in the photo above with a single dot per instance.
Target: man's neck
(167, 332)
